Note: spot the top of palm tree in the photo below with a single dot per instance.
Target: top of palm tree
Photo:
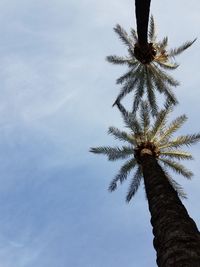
(156, 140)
(146, 68)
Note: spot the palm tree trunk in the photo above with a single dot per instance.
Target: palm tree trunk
(142, 8)
(176, 236)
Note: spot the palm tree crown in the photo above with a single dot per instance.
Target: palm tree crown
(155, 140)
(147, 70)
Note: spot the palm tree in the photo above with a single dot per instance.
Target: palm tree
(147, 75)
(151, 151)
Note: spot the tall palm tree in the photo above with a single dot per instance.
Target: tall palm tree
(151, 151)
(147, 75)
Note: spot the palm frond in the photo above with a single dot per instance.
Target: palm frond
(170, 96)
(123, 35)
(176, 154)
(130, 120)
(132, 54)
(122, 109)
(152, 30)
(117, 60)
(121, 135)
(113, 153)
(145, 117)
(127, 76)
(177, 167)
(123, 173)
(159, 123)
(135, 126)
(130, 84)
(113, 185)
(180, 49)
(177, 187)
(164, 77)
(167, 65)
(134, 35)
(161, 85)
(127, 88)
(173, 127)
(163, 44)
(150, 92)
(135, 183)
(139, 91)
(182, 140)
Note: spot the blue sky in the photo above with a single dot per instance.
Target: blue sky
(55, 102)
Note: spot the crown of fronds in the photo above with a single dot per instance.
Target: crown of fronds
(147, 77)
(157, 139)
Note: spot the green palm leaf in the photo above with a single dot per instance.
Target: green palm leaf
(123, 35)
(182, 140)
(113, 153)
(127, 76)
(117, 60)
(121, 135)
(152, 30)
(177, 167)
(139, 90)
(159, 124)
(145, 117)
(173, 127)
(180, 49)
(150, 92)
(162, 86)
(177, 187)
(134, 35)
(130, 120)
(163, 44)
(123, 173)
(135, 183)
(176, 154)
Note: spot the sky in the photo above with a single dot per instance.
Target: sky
(56, 98)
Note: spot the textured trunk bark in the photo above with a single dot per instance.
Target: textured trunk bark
(142, 8)
(176, 236)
